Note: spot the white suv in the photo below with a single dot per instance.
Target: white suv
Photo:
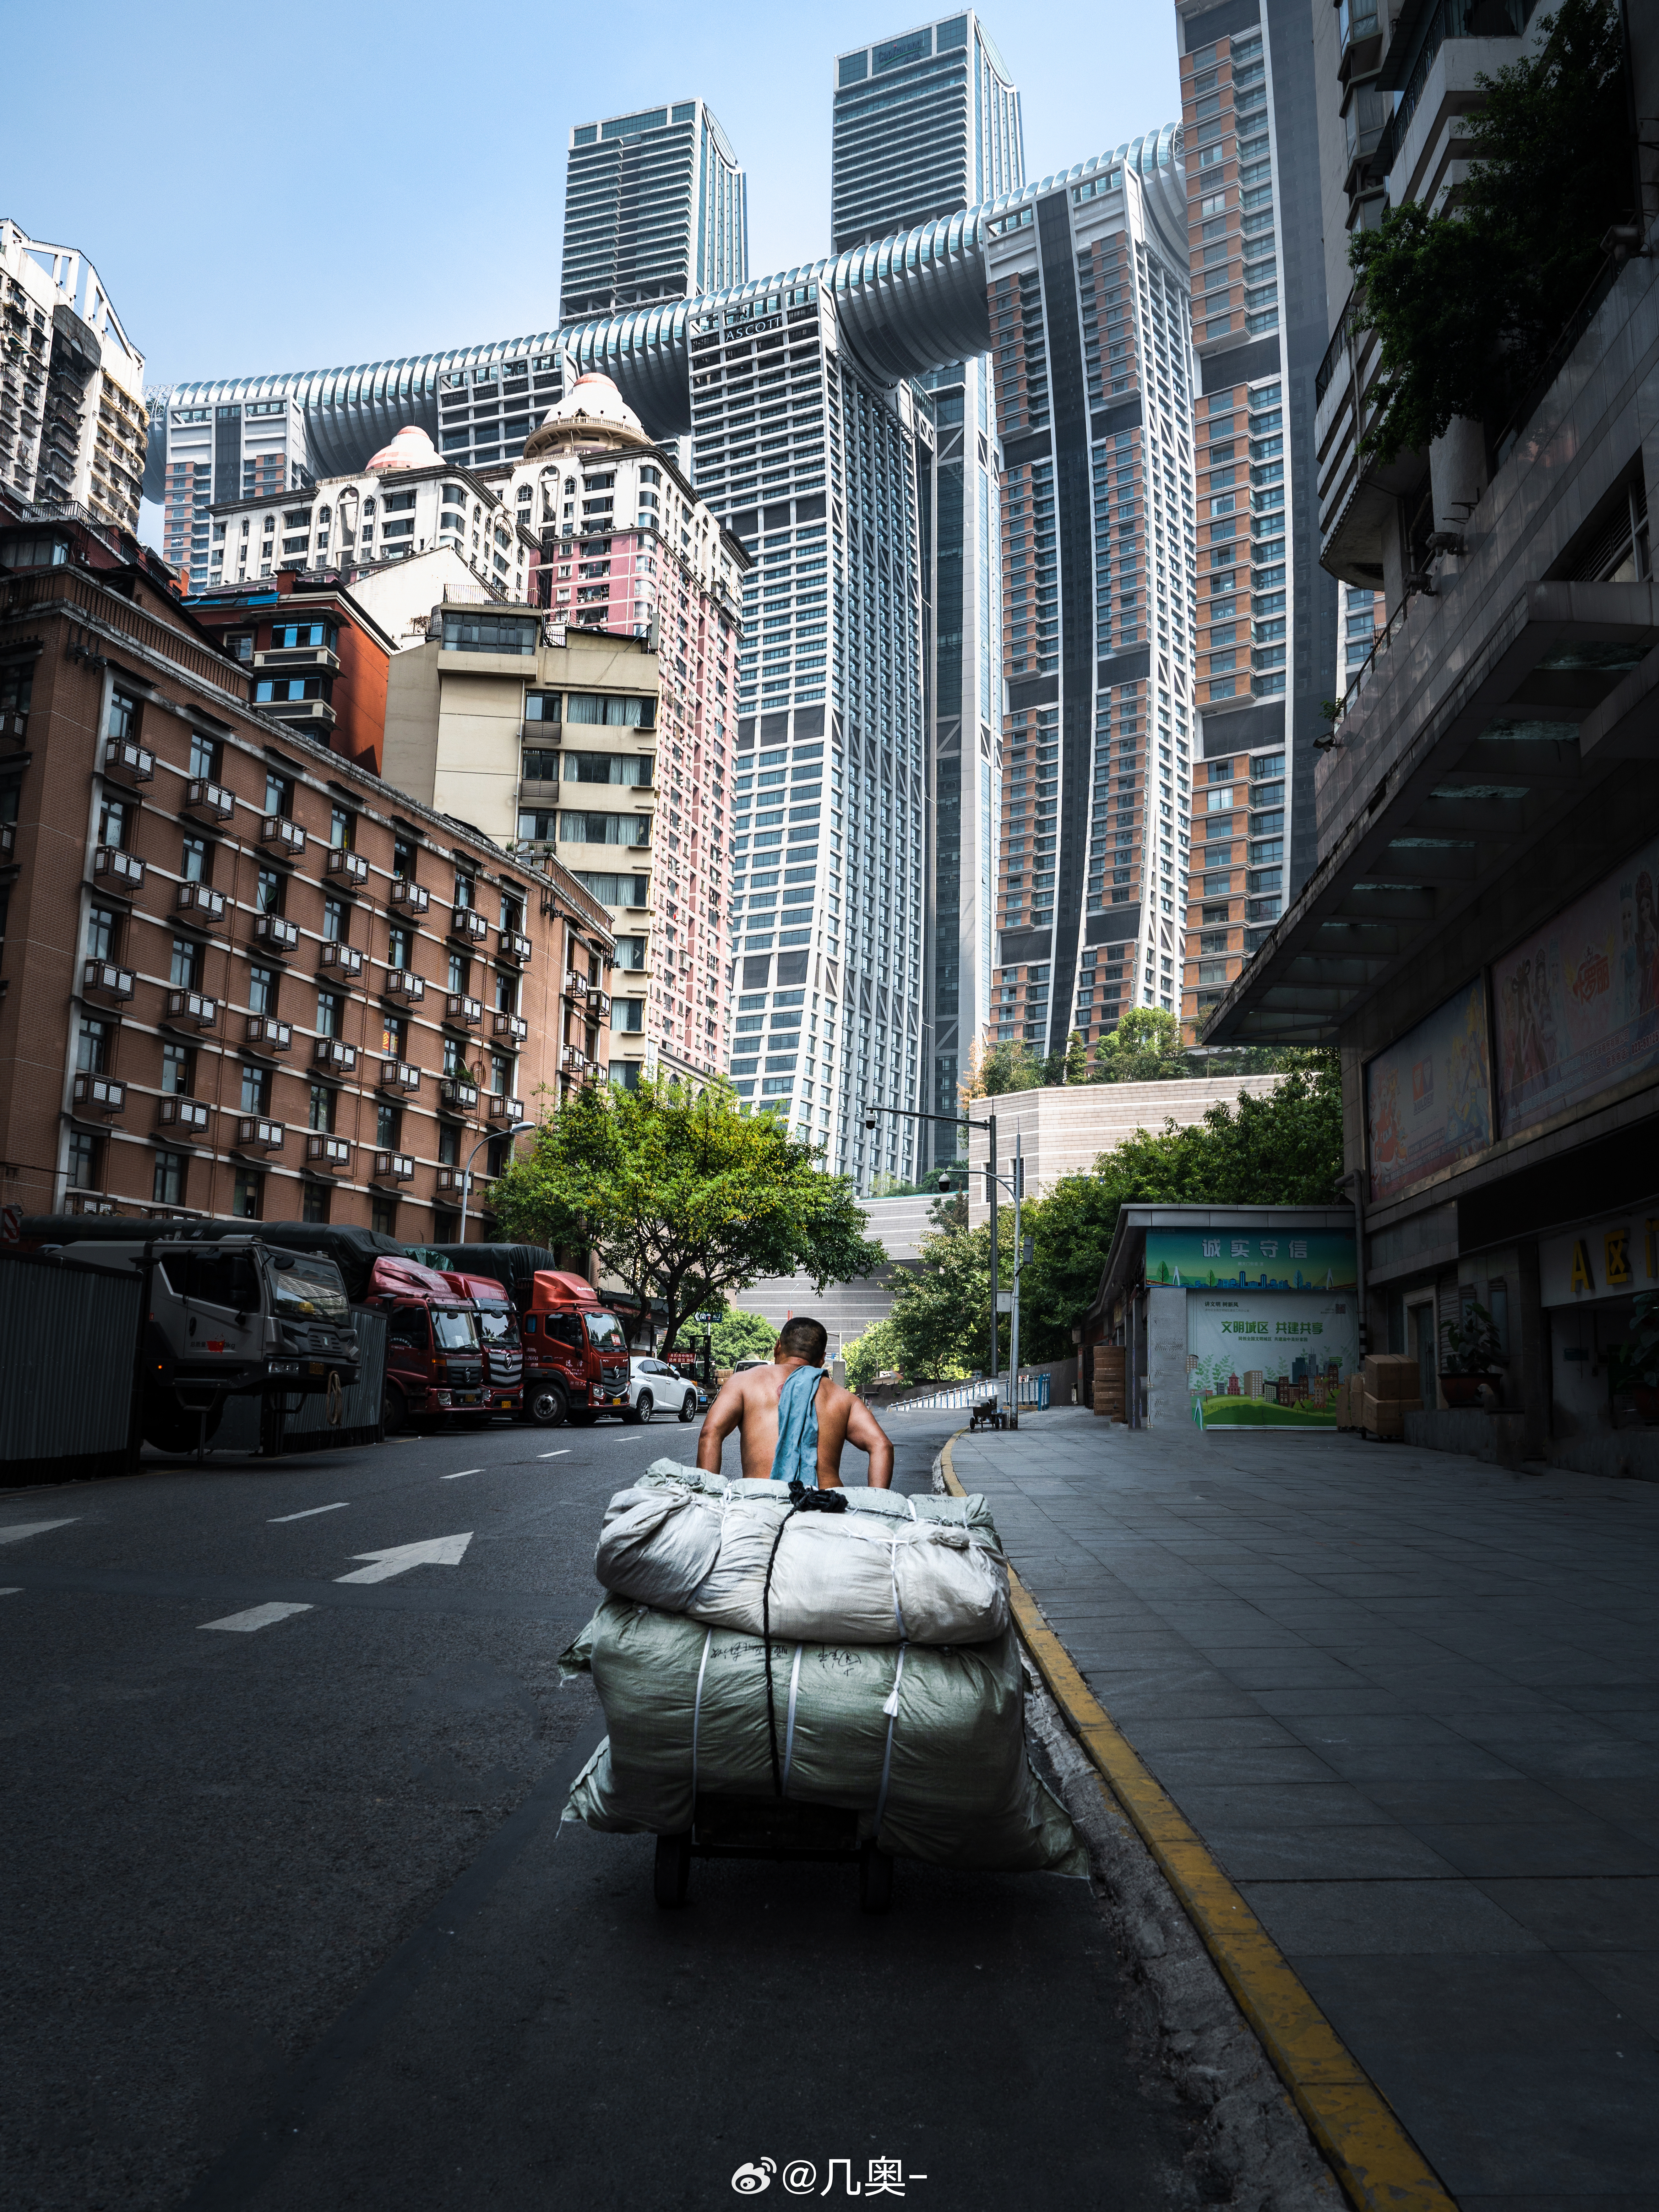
(655, 1386)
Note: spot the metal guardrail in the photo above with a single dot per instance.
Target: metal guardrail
(1033, 1391)
(62, 1417)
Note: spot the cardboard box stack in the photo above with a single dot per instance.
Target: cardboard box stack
(1389, 1389)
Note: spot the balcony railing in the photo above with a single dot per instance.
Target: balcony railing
(122, 871)
(101, 1094)
(108, 979)
(209, 801)
(266, 1033)
(515, 945)
(127, 758)
(191, 1009)
(404, 983)
(463, 1012)
(503, 1110)
(456, 1096)
(200, 904)
(398, 1075)
(254, 1133)
(511, 1028)
(342, 960)
(277, 934)
(394, 1167)
(575, 985)
(330, 1155)
(410, 897)
(281, 836)
(184, 1117)
(348, 868)
(329, 1056)
(466, 923)
(571, 1060)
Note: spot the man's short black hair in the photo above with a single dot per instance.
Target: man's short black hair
(804, 1339)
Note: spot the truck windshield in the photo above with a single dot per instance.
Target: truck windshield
(309, 1290)
(604, 1330)
(496, 1325)
(454, 1331)
(217, 1279)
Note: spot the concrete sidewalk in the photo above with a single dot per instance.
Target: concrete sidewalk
(1411, 1703)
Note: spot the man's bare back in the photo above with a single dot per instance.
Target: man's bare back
(749, 1403)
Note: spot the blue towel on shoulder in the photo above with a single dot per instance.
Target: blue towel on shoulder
(796, 1459)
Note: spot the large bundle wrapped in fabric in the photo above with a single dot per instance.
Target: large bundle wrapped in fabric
(926, 1743)
(888, 1569)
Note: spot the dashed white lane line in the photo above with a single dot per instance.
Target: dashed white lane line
(258, 1616)
(563, 1453)
(16, 1590)
(16, 1530)
(276, 1519)
(458, 1473)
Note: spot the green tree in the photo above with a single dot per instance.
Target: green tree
(876, 1352)
(1467, 303)
(739, 1335)
(683, 1198)
(997, 1068)
(1146, 1047)
(942, 1306)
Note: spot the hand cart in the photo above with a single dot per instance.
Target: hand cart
(775, 1828)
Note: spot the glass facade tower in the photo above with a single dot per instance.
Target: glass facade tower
(655, 207)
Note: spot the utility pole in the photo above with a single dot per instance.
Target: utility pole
(466, 1172)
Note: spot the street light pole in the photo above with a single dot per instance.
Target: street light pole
(466, 1172)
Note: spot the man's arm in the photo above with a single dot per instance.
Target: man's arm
(864, 1430)
(718, 1422)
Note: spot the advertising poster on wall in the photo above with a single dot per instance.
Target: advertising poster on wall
(1428, 1097)
(1270, 1359)
(1577, 1003)
(1251, 1259)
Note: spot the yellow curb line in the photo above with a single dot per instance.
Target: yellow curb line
(1375, 2160)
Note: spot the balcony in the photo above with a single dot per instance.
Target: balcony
(108, 980)
(515, 945)
(467, 924)
(295, 657)
(208, 801)
(599, 1006)
(265, 1034)
(12, 724)
(328, 1155)
(571, 1062)
(511, 1028)
(576, 986)
(191, 1010)
(394, 1167)
(462, 1012)
(504, 1110)
(456, 1096)
(127, 758)
(101, 1093)
(348, 869)
(254, 1133)
(451, 1182)
(398, 1077)
(285, 838)
(405, 984)
(116, 870)
(277, 935)
(313, 714)
(330, 1057)
(342, 960)
(201, 904)
(408, 897)
(545, 734)
(183, 1117)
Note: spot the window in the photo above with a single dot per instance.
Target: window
(540, 765)
(383, 1215)
(275, 689)
(540, 706)
(271, 890)
(122, 715)
(256, 1091)
(178, 1071)
(203, 756)
(247, 1194)
(342, 829)
(334, 921)
(471, 632)
(608, 768)
(92, 1047)
(399, 941)
(627, 1017)
(167, 1185)
(604, 829)
(261, 990)
(461, 972)
(193, 863)
(103, 933)
(285, 636)
(622, 714)
(394, 1036)
(314, 1201)
(239, 645)
(630, 953)
(320, 1109)
(388, 1127)
(403, 858)
(466, 891)
(115, 822)
(331, 1006)
(184, 969)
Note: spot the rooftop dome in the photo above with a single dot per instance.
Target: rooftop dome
(410, 449)
(593, 414)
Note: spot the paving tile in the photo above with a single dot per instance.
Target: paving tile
(1609, 1913)
(1540, 1848)
(1453, 1804)
(1499, 1730)
(1417, 1762)
(1354, 1728)
(1285, 1805)
(1628, 1979)
(1210, 1732)
(1252, 1768)
(1328, 1919)
(1359, 1698)
(1354, 1855)
(1613, 1758)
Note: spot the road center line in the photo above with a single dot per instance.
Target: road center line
(563, 1453)
(258, 1616)
(458, 1473)
(276, 1519)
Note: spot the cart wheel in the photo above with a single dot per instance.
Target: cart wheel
(875, 1880)
(673, 1869)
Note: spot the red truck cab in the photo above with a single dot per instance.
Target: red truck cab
(434, 1362)
(498, 1329)
(575, 1352)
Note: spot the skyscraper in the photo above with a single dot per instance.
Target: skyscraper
(655, 207)
(925, 125)
(1090, 307)
(1266, 612)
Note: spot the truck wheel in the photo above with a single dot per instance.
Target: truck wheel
(642, 1410)
(394, 1411)
(672, 1871)
(688, 1407)
(875, 1880)
(545, 1404)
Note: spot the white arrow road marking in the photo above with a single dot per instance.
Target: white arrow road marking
(458, 1473)
(437, 1551)
(16, 1590)
(276, 1519)
(18, 1529)
(562, 1453)
(258, 1616)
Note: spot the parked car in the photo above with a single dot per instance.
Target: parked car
(654, 1387)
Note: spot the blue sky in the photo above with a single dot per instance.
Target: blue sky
(291, 188)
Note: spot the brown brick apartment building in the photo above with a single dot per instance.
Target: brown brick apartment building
(239, 974)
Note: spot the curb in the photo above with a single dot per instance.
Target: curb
(1378, 2165)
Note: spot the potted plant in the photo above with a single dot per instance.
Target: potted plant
(1473, 1357)
(1634, 1364)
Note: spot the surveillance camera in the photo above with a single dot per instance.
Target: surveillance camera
(945, 1183)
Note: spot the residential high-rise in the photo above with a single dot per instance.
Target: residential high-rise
(73, 423)
(925, 125)
(655, 207)
(1266, 613)
(1088, 302)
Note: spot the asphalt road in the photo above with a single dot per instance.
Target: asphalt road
(291, 1919)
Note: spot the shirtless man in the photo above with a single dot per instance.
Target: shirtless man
(749, 1403)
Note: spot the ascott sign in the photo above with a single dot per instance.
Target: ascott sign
(1269, 1360)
